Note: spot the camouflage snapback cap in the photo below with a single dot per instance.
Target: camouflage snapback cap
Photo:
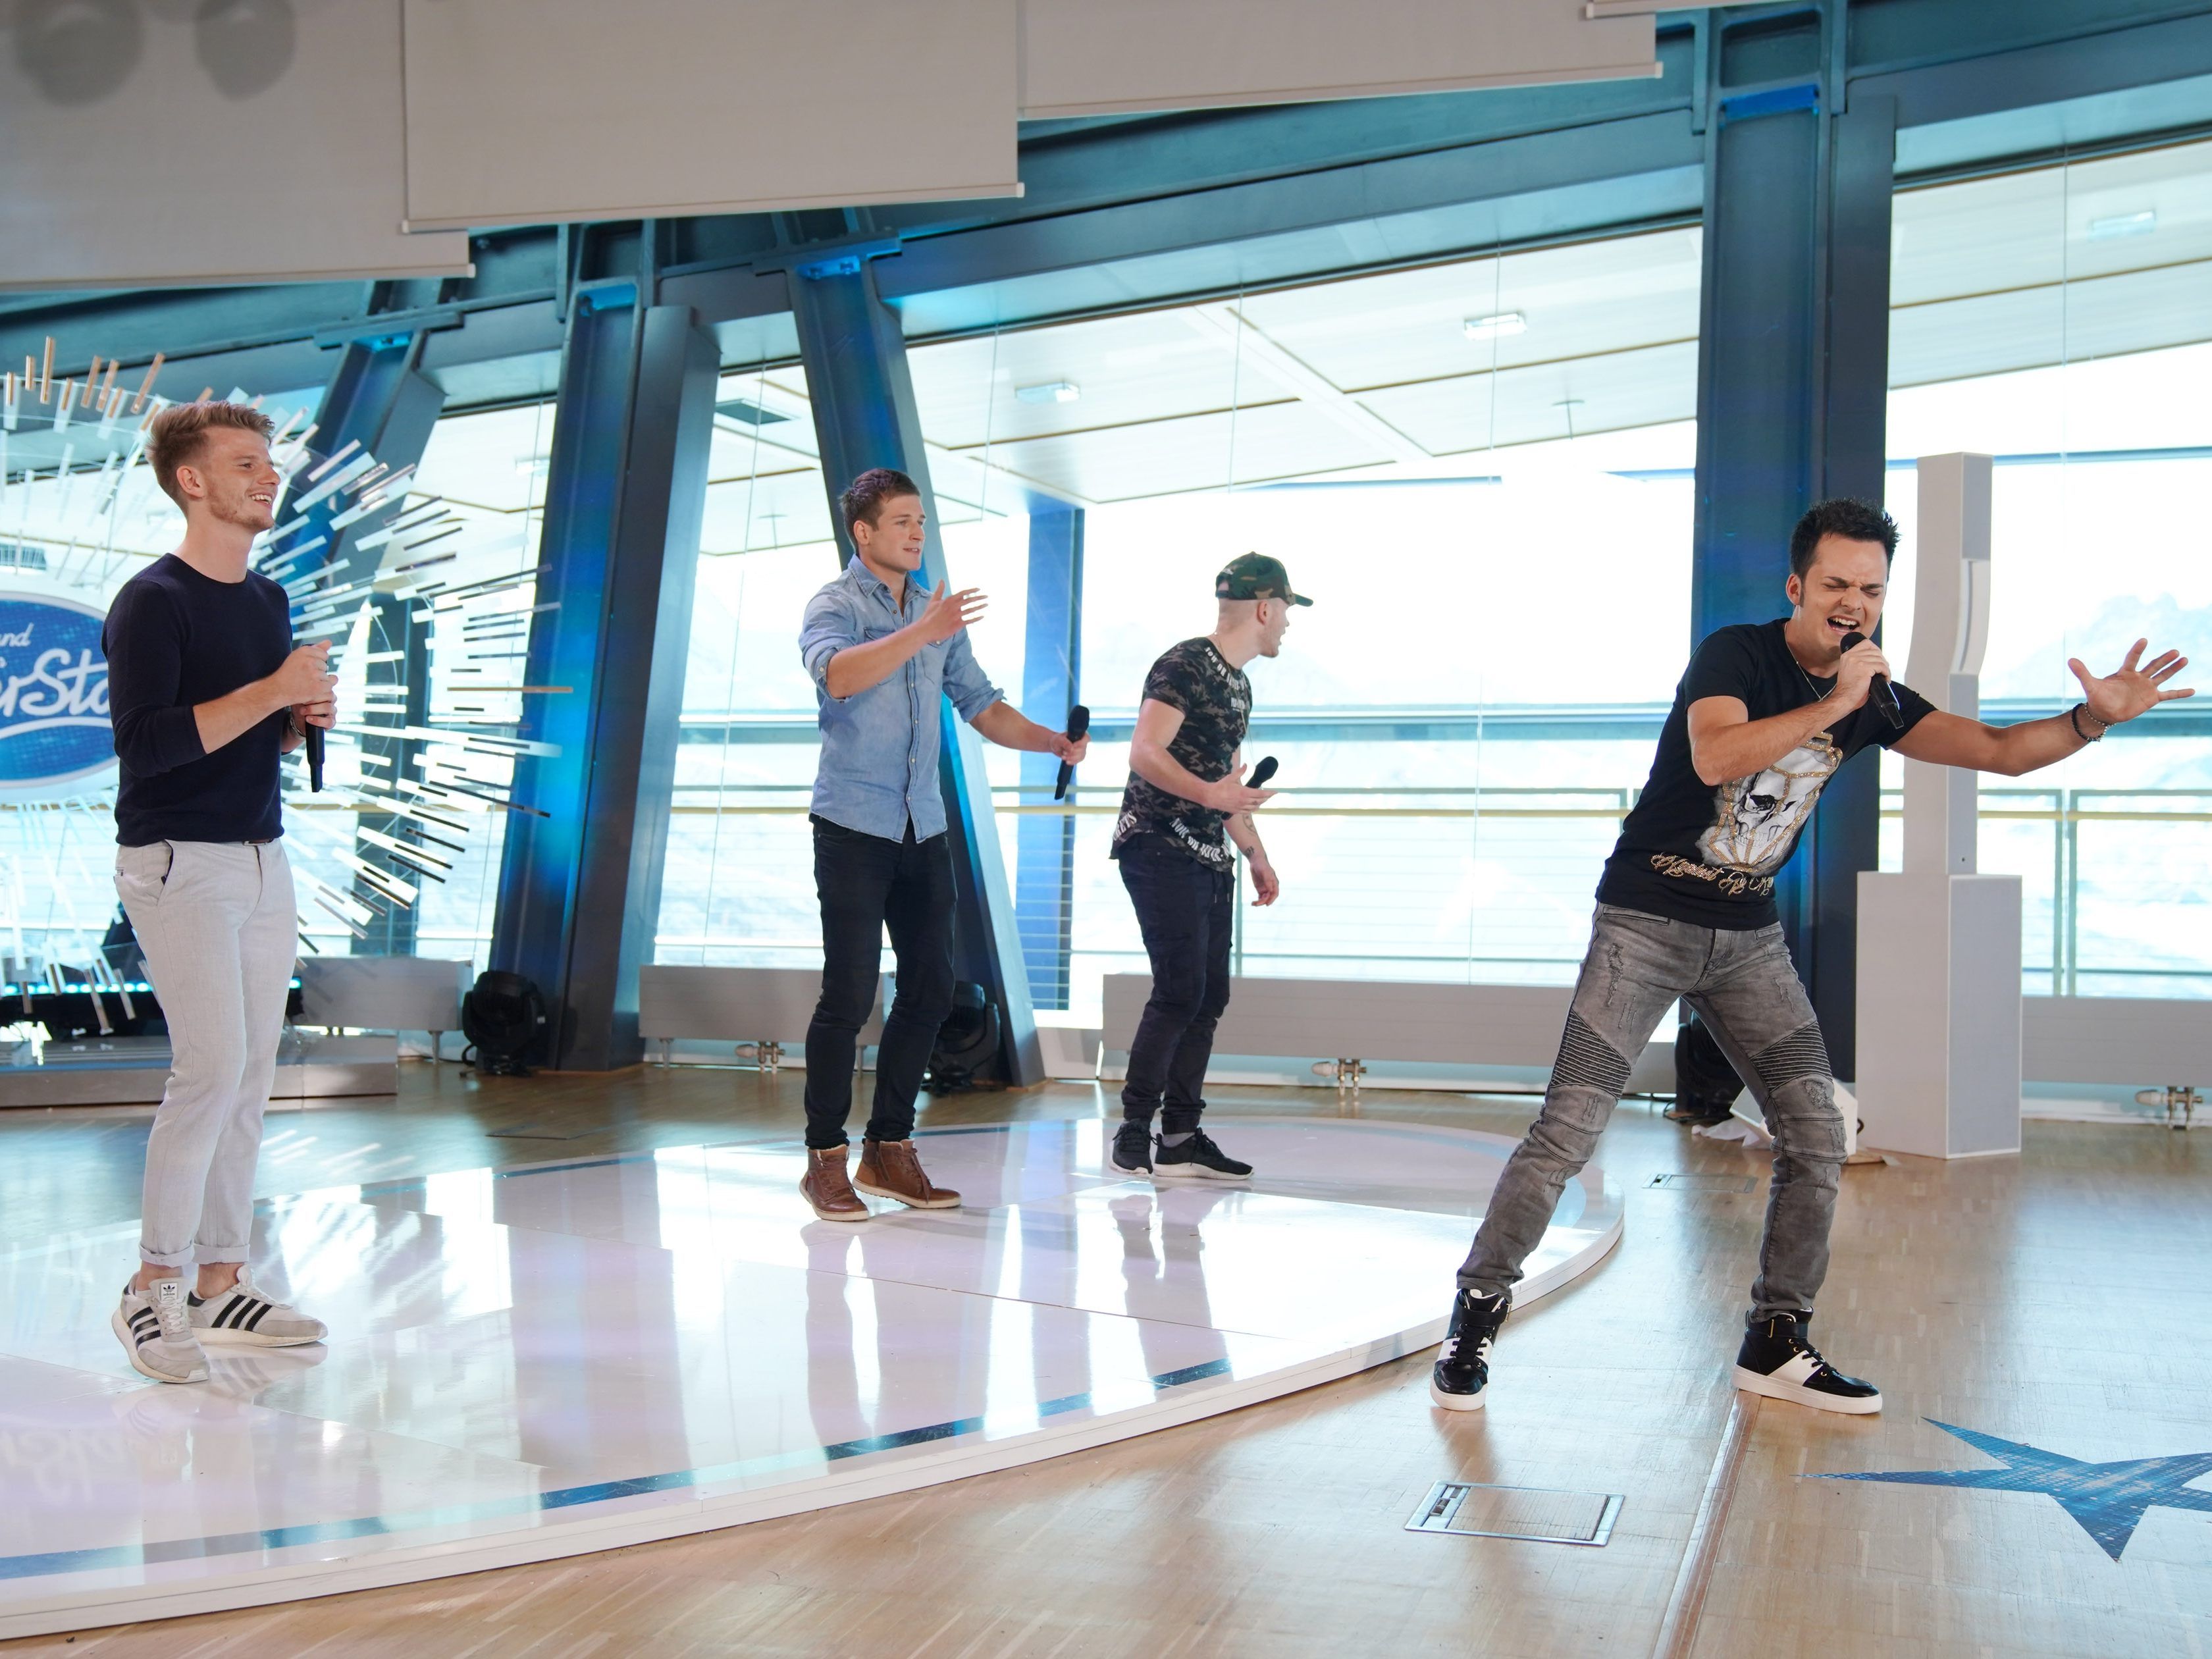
(1256, 576)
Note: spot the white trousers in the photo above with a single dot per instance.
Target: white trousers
(217, 924)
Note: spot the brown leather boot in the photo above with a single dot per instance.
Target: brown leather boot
(892, 1168)
(828, 1188)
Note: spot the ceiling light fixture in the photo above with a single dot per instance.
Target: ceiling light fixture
(1052, 391)
(1496, 327)
(745, 409)
(2123, 224)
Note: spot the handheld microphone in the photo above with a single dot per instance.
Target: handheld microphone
(1261, 773)
(314, 741)
(1881, 692)
(1078, 725)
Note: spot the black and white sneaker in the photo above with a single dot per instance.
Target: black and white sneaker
(156, 1329)
(1779, 1361)
(1461, 1373)
(1133, 1149)
(244, 1315)
(1198, 1157)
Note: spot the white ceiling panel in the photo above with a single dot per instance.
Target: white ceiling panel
(536, 111)
(2030, 327)
(174, 144)
(1287, 440)
(2093, 218)
(775, 509)
(494, 460)
(1406, 325)
(1545, 401)
(1081, 57)
(1138, 368)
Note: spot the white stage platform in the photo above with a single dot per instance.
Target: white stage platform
(532, 1363)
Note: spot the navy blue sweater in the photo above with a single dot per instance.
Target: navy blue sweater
(175, 638)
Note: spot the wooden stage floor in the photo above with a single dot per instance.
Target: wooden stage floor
(2057, 1301)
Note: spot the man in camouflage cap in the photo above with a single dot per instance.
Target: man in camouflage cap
(1186, 804)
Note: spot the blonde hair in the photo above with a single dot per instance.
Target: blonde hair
(178, 437)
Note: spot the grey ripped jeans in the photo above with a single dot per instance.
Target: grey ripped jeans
(1745, 987)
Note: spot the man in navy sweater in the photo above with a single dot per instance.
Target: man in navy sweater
(205, 691)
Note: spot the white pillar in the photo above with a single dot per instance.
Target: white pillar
(1939, 1000)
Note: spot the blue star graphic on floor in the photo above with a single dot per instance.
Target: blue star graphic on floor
(2108, 1499)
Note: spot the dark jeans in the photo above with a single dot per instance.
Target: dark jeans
(1743, 986)
(868, 884)
(1187, 913)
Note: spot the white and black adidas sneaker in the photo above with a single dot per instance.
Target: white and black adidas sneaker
(243, 1316)
(1778, 1360)
(156, 1330)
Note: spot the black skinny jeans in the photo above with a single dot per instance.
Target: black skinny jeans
(868, 884)
(1187, 913)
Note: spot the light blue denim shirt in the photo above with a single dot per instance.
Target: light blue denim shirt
(878, 766)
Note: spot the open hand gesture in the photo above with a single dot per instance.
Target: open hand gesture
(2131, 690)
(948, 613)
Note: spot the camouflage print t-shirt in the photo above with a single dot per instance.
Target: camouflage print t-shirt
(1216, 701)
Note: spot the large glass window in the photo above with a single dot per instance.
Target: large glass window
(1481, 470)
(1480, 467)
(2060, 319)
(737, 888)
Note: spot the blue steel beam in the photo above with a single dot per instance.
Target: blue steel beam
(1052, 680)
(864, 417)
(580, 889)
(1792, 388)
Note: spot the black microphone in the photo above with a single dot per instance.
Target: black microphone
(1078, 725)
(1261, 773)
(1883, 693)
(315, 759)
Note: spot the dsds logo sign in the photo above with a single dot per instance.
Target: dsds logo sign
(53, 693)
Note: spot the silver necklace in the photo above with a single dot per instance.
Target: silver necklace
(1818, 696)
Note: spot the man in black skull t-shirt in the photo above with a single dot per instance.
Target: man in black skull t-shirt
(1761, 721)
(1708, 853)
(1185, 803)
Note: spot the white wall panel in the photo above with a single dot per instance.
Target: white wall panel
(1084, 58)
(182, 144)
(531, 111)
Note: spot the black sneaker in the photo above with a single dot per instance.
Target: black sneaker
(1133, 1149)
(1198, 1157)
(1462, 1367)
(1778, 1361)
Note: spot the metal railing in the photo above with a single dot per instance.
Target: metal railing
(1515, 868)
(1417, 882)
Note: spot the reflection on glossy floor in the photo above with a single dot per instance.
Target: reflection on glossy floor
(536, 1362)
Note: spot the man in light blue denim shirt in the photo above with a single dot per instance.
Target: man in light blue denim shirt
(882, 650)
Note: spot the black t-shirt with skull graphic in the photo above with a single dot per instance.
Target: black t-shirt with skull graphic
(1216, 700)
(1709, 855)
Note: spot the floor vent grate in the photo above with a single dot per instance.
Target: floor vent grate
(1703, 1183)
(1528, 1513)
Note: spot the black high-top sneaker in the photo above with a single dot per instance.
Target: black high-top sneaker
(1462, 1367)
(1778, 1360)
